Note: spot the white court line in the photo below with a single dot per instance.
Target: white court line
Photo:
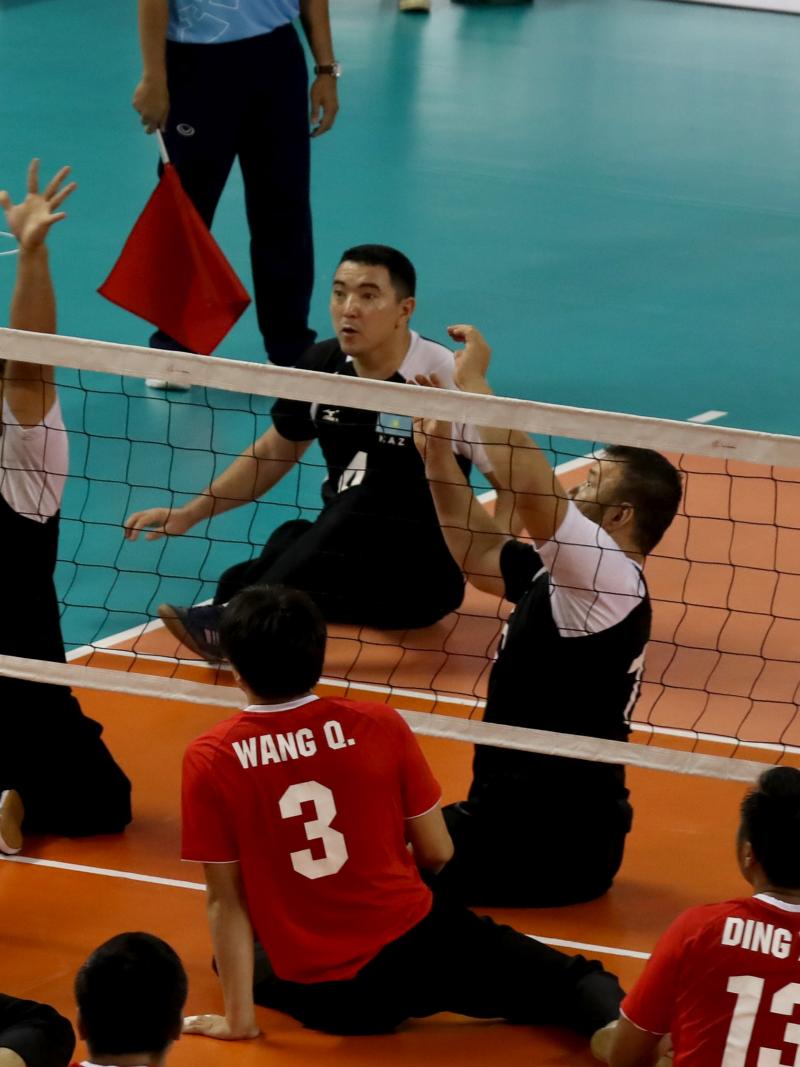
(176, 883)
(106, 872)
(707, 416)
(585, 946)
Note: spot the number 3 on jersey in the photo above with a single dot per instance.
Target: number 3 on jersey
(318, 829)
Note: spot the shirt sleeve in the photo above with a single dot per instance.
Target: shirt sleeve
(593, 583)
(207, 831)
(34, 461)
(420, 790)
(519, 565)
(651, 1002)
(36, 1032)
(292, 418)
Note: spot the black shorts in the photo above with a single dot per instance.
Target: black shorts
(452, 961)
(526, 857)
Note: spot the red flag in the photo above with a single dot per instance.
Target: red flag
(173, 273)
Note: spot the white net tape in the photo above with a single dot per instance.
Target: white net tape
(523, 739)
(684, 438)
(507, 413)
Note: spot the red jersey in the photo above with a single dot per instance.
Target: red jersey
(311, 798)
(724, 980)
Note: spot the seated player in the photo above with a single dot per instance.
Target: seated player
(33, 1035)
(313, 818)
(538, 830)
(130, 993)
(722, 980)
(54, 767)
(375, 555)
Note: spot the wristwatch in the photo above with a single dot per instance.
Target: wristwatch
(334, 69)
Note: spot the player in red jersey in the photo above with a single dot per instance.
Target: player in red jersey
(724, 979)
(313, 817)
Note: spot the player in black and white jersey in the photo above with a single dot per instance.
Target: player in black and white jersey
(55, 769)
(539, 830)
(375, 555)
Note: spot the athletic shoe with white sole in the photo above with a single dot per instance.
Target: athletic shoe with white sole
(12, 812)
(197, 628)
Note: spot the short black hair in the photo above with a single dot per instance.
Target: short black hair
(652, 485)
(130, 993)
(401, 269)
(275, 638)
(771, 823)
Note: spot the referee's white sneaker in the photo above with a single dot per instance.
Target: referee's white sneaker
(12, 813)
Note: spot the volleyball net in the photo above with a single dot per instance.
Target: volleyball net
(720, 689)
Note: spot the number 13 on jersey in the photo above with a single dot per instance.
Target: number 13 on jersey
(749, 990)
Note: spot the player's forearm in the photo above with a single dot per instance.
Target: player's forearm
(153, 23)
(471, 534)
(247, 479)
(452, 498)
(522, 468)
(33, 303)
(232, 938)
(633, 1047)
(315, 18)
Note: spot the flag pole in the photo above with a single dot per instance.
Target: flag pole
(162, 148)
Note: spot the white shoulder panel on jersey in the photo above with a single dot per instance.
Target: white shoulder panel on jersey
(593, 583)
(34, 462)
(429, 357)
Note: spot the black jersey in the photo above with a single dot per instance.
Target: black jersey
(369, 455)
(545, 679)
(30, 625)
(33, 464)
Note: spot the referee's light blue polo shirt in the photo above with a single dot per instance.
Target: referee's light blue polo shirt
(218, 21)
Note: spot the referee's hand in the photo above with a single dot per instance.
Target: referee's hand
(218, 1026)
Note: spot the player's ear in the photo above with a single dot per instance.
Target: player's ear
(745, 856)
(407, 307)
(620, 516)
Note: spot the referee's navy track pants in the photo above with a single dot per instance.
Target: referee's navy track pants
(452, 961)
(249, 99)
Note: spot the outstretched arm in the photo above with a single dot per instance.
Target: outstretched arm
(519, 464)
(253, 473)
(315, 17)
(29, 388)
(474, 538)
(151, 97)
(232, 938)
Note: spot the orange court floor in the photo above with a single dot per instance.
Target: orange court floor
(721, 660)
(63, 897)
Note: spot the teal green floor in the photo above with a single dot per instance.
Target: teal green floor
(609, 188)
